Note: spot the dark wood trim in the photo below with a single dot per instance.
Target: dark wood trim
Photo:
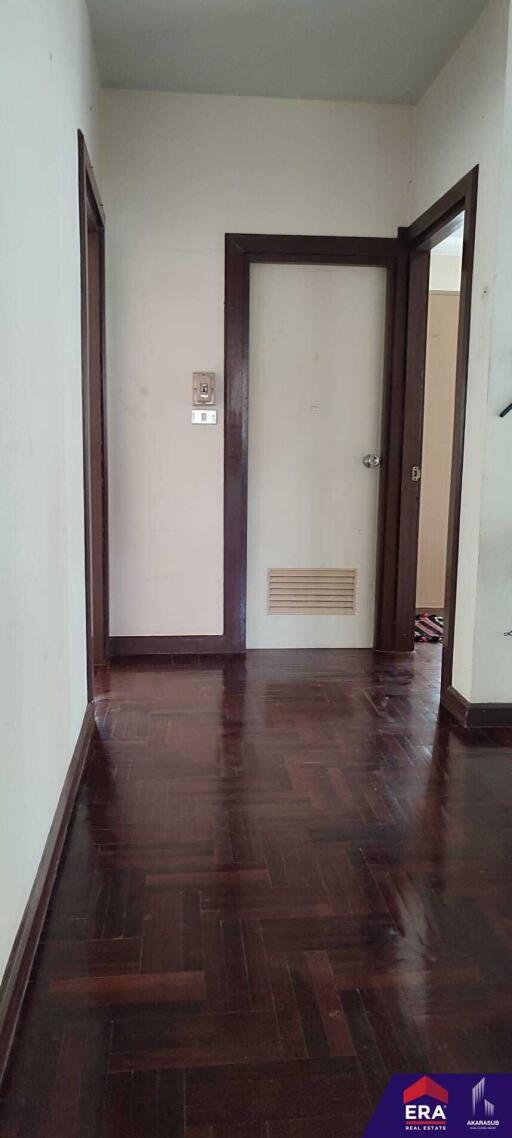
(490, 715)
(241, 250)
(410, 450)
(124, 647)
(476, 714)
(92, 215)
(273, 248)
(459, 425)
(455, 704)
(21, 959)
(423, 235)
(393, 397)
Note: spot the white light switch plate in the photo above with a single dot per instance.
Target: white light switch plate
(205, 417)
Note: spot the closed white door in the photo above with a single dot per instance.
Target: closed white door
(315, 397)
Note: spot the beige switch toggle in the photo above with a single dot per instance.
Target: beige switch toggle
(203, 388)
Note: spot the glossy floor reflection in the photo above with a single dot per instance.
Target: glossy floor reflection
(286, 879)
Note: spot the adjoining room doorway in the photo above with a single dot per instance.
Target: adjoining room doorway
(437, 445)
(92, 275)
(452, 217)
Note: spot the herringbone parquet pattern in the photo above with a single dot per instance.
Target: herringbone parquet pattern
(284, 882)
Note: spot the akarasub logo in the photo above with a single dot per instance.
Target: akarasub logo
(482, 1109)
(425, 1105)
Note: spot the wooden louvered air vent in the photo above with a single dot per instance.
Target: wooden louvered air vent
(312, 591)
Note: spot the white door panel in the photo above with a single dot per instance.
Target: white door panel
(315, 394)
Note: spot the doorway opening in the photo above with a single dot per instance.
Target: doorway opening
(92, 281)
(437, 443)
(452, 218)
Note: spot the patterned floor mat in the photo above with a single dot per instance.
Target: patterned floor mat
(428, 628)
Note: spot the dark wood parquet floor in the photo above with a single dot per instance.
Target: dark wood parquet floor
(286, 879)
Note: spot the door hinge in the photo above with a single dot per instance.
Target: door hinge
(416, 473)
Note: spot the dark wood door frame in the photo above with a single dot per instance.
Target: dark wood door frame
(92, 251)
(426, 232)
(241, 251)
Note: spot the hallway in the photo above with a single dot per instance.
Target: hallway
(284, 882)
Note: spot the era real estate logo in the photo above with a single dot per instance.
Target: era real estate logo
(482, 1109)
(425, 1105)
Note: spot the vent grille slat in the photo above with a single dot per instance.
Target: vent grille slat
(311, 591)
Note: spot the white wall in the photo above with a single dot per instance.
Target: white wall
(47, 90)
(445, 271)
(178, 172)
(458, 124)
(492, 673)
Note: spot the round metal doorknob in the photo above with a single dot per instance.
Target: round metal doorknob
(371, 460)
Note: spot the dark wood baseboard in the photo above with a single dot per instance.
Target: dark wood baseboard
(128, 646)
(476, 714)
(21, 959)
(455, 704)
